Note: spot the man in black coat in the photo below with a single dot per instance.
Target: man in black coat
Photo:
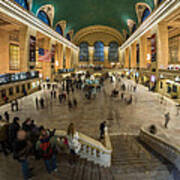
(102, 129)
(13, 129)
(21, 150)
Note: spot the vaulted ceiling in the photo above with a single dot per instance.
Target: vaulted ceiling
(82, 13)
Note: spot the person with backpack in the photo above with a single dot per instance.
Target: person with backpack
(47, 151)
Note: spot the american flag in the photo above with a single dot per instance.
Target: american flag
(44, 55)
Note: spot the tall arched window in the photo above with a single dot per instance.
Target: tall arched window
(84, 53)
(44, 17)
(68, 37)
(113, 54)
(146, 13)
(160, 1)
(99, 51)
(22, 3)
(59, 29)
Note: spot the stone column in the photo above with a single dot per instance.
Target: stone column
(91, 54)
(24, 49)
(133, 55)
(143, 52)
(106, 59)
(126, 65)
(162, 46)
(47, 65)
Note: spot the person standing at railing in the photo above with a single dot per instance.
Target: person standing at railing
(73, 143)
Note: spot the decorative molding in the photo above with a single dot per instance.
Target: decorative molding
(140, 7)
(17, 12)
(157, 16)
(96, 29)
(49, 10)
(63, 24)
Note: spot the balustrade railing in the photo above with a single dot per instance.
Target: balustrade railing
(169, 151)
(93, 150)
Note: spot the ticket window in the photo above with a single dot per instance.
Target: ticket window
(29, 86)
(161, 85)
(17, 89)
(169, 89)
(23, 88)
(3, 93)
(174, 88)
(11, 91)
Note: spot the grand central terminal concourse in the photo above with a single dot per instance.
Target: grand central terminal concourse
(90, 90)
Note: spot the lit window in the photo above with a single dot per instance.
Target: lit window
(22, 3)
(43, 17)
(146, 13)
(14, 53)
(99, 51)
(59, 29)
(113, 52)
(84, 53)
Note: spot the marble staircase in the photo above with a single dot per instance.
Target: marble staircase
(130, 160)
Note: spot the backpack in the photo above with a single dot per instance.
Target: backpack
(46, 149)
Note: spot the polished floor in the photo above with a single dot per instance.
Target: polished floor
(121, 118)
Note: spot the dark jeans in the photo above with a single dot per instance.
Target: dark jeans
(25, 169)
(4, 147)
(101, 134)
(50, 164)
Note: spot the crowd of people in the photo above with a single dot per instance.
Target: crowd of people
(24, 140)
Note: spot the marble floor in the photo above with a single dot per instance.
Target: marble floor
(121, 118)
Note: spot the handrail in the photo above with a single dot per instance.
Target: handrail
(92, 149)
(172, 145)
(168, 150)
(88, 140)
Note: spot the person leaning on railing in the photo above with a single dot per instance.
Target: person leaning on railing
(73, 142)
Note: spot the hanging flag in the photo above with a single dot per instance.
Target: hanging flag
(44, 55)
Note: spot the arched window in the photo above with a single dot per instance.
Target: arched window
(113, 52)
(44, 17)
(160, 1)
(99, 51)
(59, 29)
(68, 37)
(84, 53)
(146, 13)
(22, 3)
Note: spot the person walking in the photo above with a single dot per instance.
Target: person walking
(6, 115)
(167, 119)
(16, 105)
(42, 102)
(37, 103)
(102, 130)
(21, 151)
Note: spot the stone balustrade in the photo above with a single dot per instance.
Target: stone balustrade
(167, 150)
(93, 150)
